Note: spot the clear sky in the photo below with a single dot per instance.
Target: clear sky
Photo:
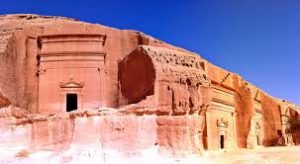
(258, 39)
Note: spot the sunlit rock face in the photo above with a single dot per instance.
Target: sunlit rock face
(66, 83)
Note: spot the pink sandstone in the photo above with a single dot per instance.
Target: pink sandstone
(64, 82)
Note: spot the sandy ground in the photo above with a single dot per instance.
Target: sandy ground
(274, 155)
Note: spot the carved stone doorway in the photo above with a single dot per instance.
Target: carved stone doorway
(258, 139)
(72, 102)
(222, 130)
(222, 141)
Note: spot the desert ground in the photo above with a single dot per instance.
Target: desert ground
(273, 155)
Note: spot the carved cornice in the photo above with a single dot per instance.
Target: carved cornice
(223, 102)
(73, 53)
(72, 38)
(71, 44)
(222, 107)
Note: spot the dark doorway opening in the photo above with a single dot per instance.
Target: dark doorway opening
(222, 140)
(71, 102)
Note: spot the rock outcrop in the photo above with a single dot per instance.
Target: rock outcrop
(64, 82)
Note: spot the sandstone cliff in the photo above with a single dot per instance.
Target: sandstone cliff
(133, 93)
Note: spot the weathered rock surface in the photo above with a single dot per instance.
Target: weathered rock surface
(67, 83)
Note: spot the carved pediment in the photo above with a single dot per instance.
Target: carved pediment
(71, 84)
(221, 123)
(257, 126)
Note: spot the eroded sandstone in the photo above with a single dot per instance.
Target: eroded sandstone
(64, 82)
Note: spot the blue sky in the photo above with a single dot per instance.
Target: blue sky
(258, 39)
